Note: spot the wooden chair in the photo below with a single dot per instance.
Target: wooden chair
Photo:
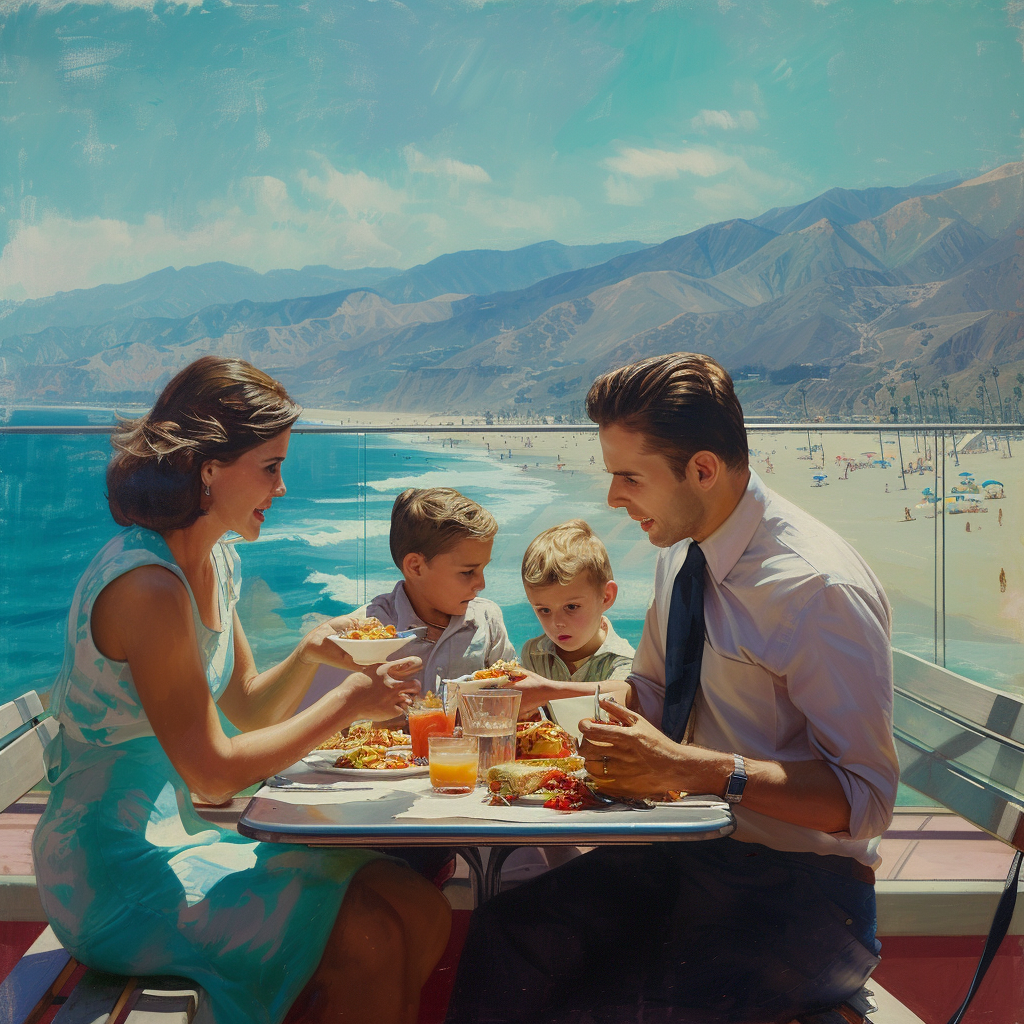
(39, 980)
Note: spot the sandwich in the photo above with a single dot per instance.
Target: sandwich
(546, 777)
(542, 739)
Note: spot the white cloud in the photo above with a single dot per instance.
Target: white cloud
(357, 193)
(258, 226)
(706, 119)
(49, 6)
(622, 193)
(419, 163)
(666, 164)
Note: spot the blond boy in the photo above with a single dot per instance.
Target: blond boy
(441, 541)
(568, 581)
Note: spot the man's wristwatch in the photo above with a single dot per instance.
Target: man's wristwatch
(737, 781)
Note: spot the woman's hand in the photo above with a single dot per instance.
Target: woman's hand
(383, 691)
(316, 649)
(630, 757)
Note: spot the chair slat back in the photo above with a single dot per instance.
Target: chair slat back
(22, 741)
(16, 713)
(961, 743)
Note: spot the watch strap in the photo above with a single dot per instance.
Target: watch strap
(737, 781)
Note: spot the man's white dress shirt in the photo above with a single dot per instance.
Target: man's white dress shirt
(797, 664)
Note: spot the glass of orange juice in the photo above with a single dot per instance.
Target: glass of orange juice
(428, 718)
(453, 762)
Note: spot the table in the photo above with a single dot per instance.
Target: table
(362, 813)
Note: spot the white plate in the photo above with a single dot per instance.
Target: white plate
(326, 764)
(372, 652)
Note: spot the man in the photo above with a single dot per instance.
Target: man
(764, 674)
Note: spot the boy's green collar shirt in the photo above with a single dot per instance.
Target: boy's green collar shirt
(612, 660)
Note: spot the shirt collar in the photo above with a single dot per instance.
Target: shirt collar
(613, 643)
(723, 548)
(406, 614)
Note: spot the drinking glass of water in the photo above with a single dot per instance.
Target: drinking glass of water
(491, 716)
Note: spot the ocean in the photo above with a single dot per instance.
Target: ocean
(323, 550)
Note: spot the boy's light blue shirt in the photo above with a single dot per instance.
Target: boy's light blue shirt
(469, 642)
(612, 660)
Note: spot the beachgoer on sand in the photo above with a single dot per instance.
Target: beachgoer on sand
(1002, 581)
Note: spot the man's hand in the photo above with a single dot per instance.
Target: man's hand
(630, 757)
(382, 692)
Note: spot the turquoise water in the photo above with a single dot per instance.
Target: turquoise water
(323, 551)
(324, 548)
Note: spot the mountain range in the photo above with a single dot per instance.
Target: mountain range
(822, 306)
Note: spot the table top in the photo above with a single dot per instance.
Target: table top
(360, 812)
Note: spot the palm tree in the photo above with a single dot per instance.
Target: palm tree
(945, 387)
(984, 394)
(999, 397)
(803, 395)
(980, 395)
(1018, 394)
(920, 411)
(935, 394)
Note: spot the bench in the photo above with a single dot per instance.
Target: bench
(41, 979)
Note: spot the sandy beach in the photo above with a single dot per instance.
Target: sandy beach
(866, 505)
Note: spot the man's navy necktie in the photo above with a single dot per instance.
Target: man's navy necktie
(684, 644)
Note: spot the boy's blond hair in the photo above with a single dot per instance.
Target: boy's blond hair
(561, 553)
(432, 520)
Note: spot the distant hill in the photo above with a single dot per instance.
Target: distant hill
(483, 271)
(176, 293)
(844, 206)
(927, 284)
(180, 293)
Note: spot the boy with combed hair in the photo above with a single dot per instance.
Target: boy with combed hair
(441, 541)
(568, 581)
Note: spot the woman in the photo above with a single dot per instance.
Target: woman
(132, 879)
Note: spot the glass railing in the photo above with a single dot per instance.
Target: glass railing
(922, 504)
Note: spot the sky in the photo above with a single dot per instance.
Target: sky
(137, 134)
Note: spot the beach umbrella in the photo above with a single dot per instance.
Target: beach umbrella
(967, 474)
(869, 454)
(927, 490)
(997, 483)
(820, 476)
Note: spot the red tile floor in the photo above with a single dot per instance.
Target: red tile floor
(929, 973)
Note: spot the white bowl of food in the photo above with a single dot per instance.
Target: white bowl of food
(370, 642)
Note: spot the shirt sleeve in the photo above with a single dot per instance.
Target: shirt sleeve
(647, 675)
(499, 647)
(530, 658)
(621, 667)
(839, 675)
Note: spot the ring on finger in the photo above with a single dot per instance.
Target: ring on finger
(604, 764)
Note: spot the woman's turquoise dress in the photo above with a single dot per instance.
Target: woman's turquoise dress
(132, 880)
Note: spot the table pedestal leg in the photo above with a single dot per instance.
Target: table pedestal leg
(492, 877)
(471, 855)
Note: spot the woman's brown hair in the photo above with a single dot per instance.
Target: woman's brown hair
(213, 409)
(681, 403)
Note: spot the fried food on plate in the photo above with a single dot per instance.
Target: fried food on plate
(366, 734)
(372, 757)
(510, 670)
(542, 739)
(370, 629)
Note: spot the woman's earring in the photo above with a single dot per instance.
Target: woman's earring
(206, 490)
